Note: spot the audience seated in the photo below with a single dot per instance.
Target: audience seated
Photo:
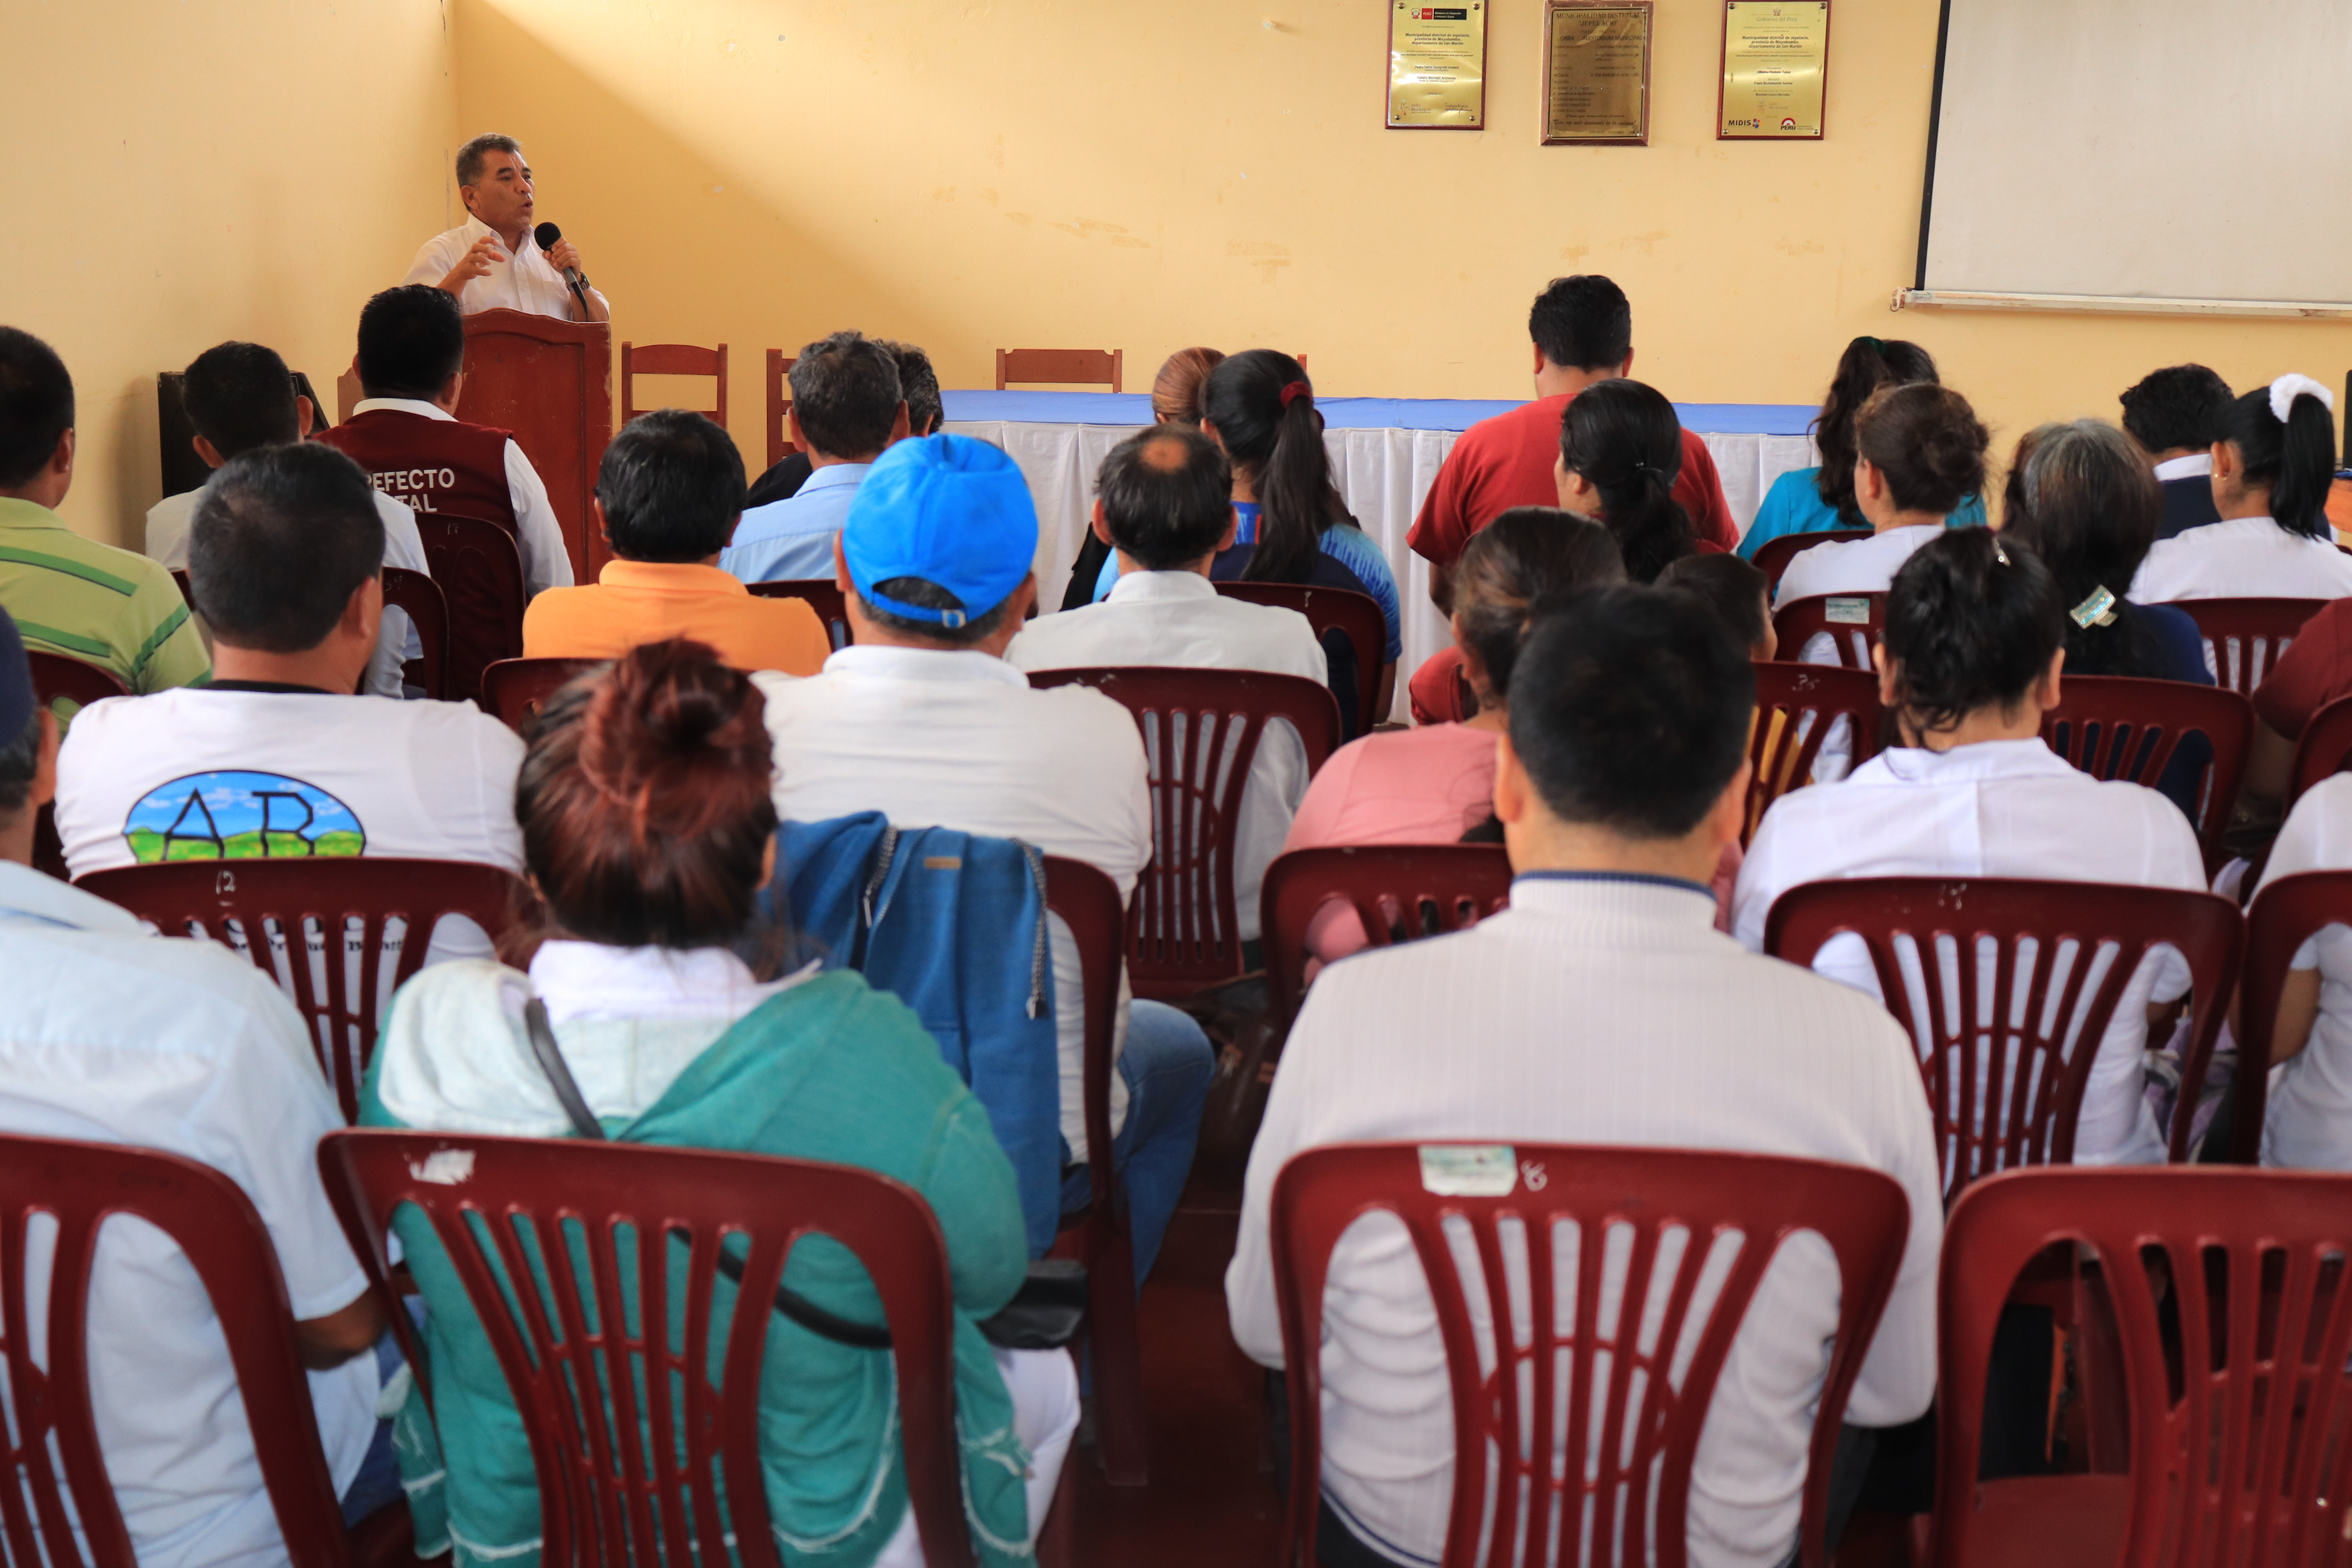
(2178, 416)
(2271, 476)
(648, 827)
(116, 1037)
(278, 757)
(71, 595)
(1819, 498)
(918, 382)
(1734, 593)
(1164, 502)
(241, 397)
(1602, 1008)
(921, 718)
(2307, 1122)
(1175, 400)
(847, 406)
(1919, 452)
(668, 494)
(406, 434)
(1970, 659)
(1619, 452)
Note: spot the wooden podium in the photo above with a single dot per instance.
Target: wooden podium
(549, 383)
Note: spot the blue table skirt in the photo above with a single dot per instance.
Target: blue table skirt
(1352, 412)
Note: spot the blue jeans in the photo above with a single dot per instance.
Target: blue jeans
(1166, 1064)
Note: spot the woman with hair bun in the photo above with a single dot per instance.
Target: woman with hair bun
(2271, 476)
(648, 827)
(1970, 660)
(1620, 450)
(1919, 453)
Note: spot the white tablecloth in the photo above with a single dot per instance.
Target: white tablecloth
(1383, 474)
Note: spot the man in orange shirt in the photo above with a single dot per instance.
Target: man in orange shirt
(668, 496)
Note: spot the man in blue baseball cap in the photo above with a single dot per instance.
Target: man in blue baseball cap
(920, 718)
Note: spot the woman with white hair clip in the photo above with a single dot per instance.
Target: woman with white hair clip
(2271, 477)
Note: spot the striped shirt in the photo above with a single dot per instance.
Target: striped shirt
(90, 601)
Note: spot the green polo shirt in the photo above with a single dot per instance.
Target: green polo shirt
(92, 601)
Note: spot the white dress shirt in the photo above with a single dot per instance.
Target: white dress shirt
(938, 739)
(1679, 1040)
(2195, 465)
(396, 640)
(546, 562)
(108, 1034)
(1997, 808)
(524, 280)
(2242, 558)
(1179, 618)
(2308, 1123)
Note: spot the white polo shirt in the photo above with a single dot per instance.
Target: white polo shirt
(396, 640)
(2307, 1125)
(2243, 558)
(1852, 566)
(1679, 1040)
(940, 739)
(1998, 808)
(546, 562)
(1179, 618)
(521, 280)
(111, 1036)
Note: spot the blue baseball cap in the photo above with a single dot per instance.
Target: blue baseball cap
(948, 510)
(17, 699)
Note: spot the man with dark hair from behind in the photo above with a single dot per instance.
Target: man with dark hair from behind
(2176, 415)
(848, 404)
(71, 595)
(277, 757)
(185, 1048)
(241, 397)
(926, 411)
(667, 495)
(1621, 776)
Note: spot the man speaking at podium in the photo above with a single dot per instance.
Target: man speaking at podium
(493, 261)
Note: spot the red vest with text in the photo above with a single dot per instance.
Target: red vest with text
(431, 465)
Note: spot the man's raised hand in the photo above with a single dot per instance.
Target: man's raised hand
(477, 262)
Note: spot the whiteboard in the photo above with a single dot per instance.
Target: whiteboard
(2151, 149)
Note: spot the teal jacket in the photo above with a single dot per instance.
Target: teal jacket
(1794, 505)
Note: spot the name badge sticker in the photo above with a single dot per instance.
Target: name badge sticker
(1847, 612)
(1468, 1170)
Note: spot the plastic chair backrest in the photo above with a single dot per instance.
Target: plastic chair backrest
(671, 359)
(1772, 556)
(420, 597)
(780, 405)
(1402, 892)
(2117, 727)
(1630, 1426)
(2225, 1293)
(822, 595)
(2245, 638)
(1852, 623)
(2005, 1071)
(2283, 916)
(2324, 749)
(635, 1476)
(478, 568)
(1797, 706)
(319, 928)
(1075, 367)
(51, 1434)
(514, 690)
(1201, 731)
(1356, 616)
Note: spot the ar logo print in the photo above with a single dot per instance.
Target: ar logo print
(233, 815)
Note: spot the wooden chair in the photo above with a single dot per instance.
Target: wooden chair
(55, 1475)
(607, 1496)
(56, 678)
(478, 566)
(322, 929)
(1183, 934)
(1083, 367)
(1772, 556)
(1356, 616)
(822, 595)
(1599, 1421)
(2323, 750)
(2119, 727)
(1852, 621)
(419, 597)
(671, 359)
(780, 405)
(514, 689)
(2006, 1093)
(1797, 706)
(2245, 638)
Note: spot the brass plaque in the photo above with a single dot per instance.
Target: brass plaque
(1596, 73)
(1776, 57)
(1437, 66)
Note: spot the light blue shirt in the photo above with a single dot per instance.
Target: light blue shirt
(792, 539)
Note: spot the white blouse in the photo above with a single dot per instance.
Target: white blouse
(2308, 1123)
(2243, 558)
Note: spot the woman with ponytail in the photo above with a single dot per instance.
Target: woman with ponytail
(1620, 449)
(648, 829)
(2272, 472)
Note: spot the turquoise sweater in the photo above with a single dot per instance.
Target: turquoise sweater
(1794, 505)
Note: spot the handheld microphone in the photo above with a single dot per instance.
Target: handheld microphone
(547, 234)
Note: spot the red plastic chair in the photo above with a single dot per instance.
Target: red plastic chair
(2283, 916)
(1401, 892)
(320, 928)
(605, 1496)
(2117, 726)
(1772, 556)
(58, 678)
(2044, 938)
(2324, 749)
(1797, 705)
(1183, 934)
(2225, 1298)
(514, 690)
(822, 595)
(421, 598)
(1627, 1423)
(51, 1435)
(478, 568)
(1356, 616)
(1852, 621)
(2245, 638)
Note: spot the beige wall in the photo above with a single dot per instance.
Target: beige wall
(180, 172)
